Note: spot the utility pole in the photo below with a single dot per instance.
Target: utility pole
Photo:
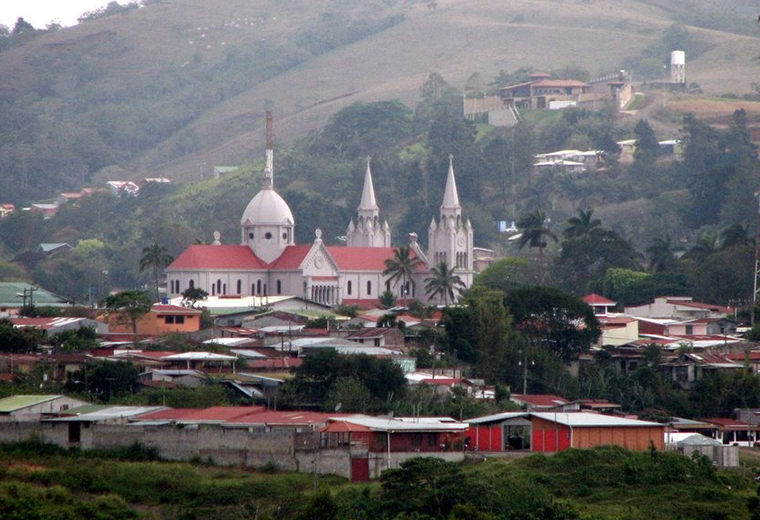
(757, 261)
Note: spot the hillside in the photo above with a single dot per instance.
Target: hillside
(174, 88)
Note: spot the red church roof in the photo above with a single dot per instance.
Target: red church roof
(292, 257)
(217, 257)
(362, 258)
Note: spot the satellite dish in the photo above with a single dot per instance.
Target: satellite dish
(338, 407)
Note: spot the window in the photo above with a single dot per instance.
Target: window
(179, 319)
(250, 236)
(279, 287)
(169, 319)
(268, 235)
(240, 287)
(253, 289)
(224, 289)
(689, 329)
(369, 288)
(219, 286)
(284, 236)
(192, 284)
(265, 289)
(258, 287)
(348, 288)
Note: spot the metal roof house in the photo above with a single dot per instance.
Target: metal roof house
(22, 408)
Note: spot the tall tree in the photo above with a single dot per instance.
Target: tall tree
(155, 258)
(535, 231)
(582, 224)
(660, 253)
(444, 283)
(129, 307)
(735, 235)
(647, 146)
(401, 268)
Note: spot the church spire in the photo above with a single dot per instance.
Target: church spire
(268, 181)
(450, 195)
(368, 202)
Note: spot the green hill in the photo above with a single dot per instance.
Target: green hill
(174, 88)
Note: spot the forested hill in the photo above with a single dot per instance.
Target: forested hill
(174, 88)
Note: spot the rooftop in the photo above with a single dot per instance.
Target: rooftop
(18, 402)
(587, 419)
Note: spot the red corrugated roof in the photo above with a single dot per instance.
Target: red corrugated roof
(289, 418)
(596, 299)
(169, 414)
(371, 332)
(291, 258)
(222, 413)
(726, 422)
(217, 257)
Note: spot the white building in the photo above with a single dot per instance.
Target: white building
(268, 262)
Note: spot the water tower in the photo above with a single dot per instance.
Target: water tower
(678, 67)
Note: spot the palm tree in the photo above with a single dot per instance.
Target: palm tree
(535, 231)
(582, 225)
(155, 257)
(402, 267)
(735, 235)
(660, 254)
(443, 282)
(706, 245)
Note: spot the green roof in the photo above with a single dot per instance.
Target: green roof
(88, 408)
(17, 402)
(41, 297)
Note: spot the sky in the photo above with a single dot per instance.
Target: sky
(40, 12)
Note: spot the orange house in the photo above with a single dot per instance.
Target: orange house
(161, 319)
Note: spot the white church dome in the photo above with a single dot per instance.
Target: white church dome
(267, 207)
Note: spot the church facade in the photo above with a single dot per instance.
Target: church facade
(268, 262)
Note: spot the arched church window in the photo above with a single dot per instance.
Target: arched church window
(369, 288)
(224, 289)
(240, 286)
(387, 285)
(279, 286)
(258, 287)
(284, 236)
(268, 235)
(219, 286)
(265, 289)
(348, 287)
(192, 284)
(253, 289)
(250, 236)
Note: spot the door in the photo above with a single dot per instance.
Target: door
(360, 469)
(75, 432)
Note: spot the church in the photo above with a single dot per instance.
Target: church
(268, 262)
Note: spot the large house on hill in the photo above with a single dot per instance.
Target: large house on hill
(269, 262)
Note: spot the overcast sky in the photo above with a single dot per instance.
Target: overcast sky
(40, 12)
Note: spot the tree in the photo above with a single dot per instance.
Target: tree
(647, 146)
(351, 311)
(155, 258)
(706, 245)
(387, 300)
(444, 282)
(129, 307)
(735, 235)
(423, 485)
(559, 321)
(348, 394)
(23, 340)
(402, 268)
(535, 231)
(110, 379)
(192, 295)
(582, 224)
(661, 254)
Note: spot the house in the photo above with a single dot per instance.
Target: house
(734, 431)
(203, 361)
(162, 319)
(65, 198)
(692, 444)
(55, 325)
(601, 305)
(538, 401)
(6, 209)
(24, 408)
(234, 309)
(174, 377)
(156, 180)
(12, 298)
(52, 248)
(78, 420)
(701, 327)
(562, 166)
(378, 337)
(48, 210)
(376, 444)
(482, 258)
(117, 188)
(690, 367)
(542, 92)
(678, 307)
(617, 330)
(557, 431)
